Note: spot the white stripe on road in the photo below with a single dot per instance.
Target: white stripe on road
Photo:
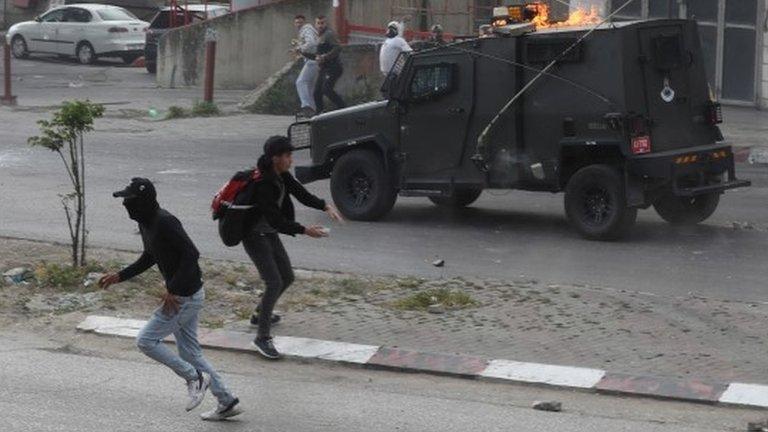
(112, 326)
(292, 346)
(543, 373)
(325, 350)
(746, 394)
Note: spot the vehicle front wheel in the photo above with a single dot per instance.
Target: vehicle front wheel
(19, 47)
(461, 198)
(361, 187)
(596, 204)
(686, 210)
(85, 53)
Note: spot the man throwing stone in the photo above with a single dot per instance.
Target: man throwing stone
(168, 245)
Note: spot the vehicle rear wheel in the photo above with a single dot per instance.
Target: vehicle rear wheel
(461, 198)
(686, 210)
(85, 53)
(19, 47)
(596, 204)
(151, 67)
(130, 58)
(361, 187)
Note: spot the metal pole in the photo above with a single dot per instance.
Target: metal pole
(210, 66)
(341, 21)
(7, 99)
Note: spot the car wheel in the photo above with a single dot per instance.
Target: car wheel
(129, 58)
(596, 204)
(151, 67)
(19, 47)
(85, 53)
(686, 210)
(361, 187)
(461, 198)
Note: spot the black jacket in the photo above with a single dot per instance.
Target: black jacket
(168, 245)
(265, 194)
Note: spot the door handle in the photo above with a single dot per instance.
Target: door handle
(458, 110)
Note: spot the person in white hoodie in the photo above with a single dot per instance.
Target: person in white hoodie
(392, 47)
(306, 43)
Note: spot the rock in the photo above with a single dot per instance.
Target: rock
(552, 406)
(17, 275)
(436, 309)
(439, 263)
(63, 303)
(757, 426)
(92, 278)
(743, 226)
(242, 285)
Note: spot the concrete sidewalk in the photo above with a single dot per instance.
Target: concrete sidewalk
(463, 366)
(747, 130)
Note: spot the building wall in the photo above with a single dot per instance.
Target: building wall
(251, 46)
(763, 96)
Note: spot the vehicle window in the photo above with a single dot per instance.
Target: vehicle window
(162, 20)
(668, 53)
(544, 51)
(116, 14)
(77, 15)
(54, 16)
(431, 81)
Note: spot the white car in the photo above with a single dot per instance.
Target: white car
(85, 31)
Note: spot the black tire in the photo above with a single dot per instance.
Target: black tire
(130, 58)
(19, 47)
(686, 210)
(361, 187)
(596, 203)
(461, 198)
(85, 53)
(151, 67)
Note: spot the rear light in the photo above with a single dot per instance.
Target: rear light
(638, 126)
(722, 154)
(641, 144)
(118, 30)
(714, 113)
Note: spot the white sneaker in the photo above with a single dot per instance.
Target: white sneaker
(223, 412)
(197, 389)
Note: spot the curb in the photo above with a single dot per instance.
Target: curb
(462, 366)
(750, 155)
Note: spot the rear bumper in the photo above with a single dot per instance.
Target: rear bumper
(709, 174)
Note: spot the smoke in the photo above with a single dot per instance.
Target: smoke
(600, 5)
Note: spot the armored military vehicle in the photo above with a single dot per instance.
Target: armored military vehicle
(624, 120)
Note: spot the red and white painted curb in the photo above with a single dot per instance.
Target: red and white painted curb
(598, 380)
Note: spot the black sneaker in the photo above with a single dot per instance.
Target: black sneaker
(223, 412)
(266, 348)
(274, 320)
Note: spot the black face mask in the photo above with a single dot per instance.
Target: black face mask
(391, 32)
(140, 210)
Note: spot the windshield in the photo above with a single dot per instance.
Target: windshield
(116, 14)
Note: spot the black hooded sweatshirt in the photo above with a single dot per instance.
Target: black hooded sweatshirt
(167, 245)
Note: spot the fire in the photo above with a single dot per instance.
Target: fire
(577, 17)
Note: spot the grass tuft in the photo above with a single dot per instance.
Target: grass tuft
(442, 296)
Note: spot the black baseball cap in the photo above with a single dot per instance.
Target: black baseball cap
(139, 188)
(277, 145)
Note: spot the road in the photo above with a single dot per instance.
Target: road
(504, 235)
(99, 384)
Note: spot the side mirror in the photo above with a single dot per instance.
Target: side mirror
(38, 19)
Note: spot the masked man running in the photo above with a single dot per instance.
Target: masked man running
(168, 245)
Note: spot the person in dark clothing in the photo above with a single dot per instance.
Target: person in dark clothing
(168, 245)
(273, 213)
(327, 56)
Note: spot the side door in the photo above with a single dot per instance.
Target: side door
(72, 29)
(433, 124)
(42, 37)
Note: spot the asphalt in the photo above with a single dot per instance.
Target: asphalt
(96, 384)
(505, 235)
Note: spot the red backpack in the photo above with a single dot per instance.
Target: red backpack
(226, 197)
(230, 204)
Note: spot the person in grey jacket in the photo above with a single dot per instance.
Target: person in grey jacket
(306, 44)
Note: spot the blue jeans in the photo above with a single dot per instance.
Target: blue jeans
(183, 326)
